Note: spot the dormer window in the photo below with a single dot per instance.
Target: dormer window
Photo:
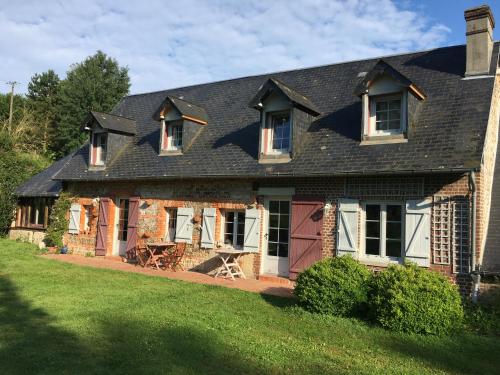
(99, 148)
(285, 118)
(280, 132)
(386, 115)
(174, 137)
(390, 102)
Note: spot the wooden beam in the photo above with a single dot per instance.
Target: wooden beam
(415, 90)
(198, 121)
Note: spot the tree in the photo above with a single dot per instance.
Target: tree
(42, 95)
(97, 83)
(19, 103)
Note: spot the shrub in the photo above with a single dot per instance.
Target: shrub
(335, 286)
(412, 299)
(58, 223)
(484, 316)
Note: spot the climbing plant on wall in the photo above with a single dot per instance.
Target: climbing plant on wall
(58, 221)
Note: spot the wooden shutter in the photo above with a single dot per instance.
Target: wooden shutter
(418, 232)
(102, 227)
(74, 218)
(184, 229)
(133, 219)
(347, 227)
(252, 230)
(306, 233)
(208, 229)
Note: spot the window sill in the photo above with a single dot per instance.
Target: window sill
(97, 167)
(275, 159)
(383, 139)
(379, 262)
(170, 152)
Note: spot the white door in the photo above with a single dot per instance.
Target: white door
(121, 227)
(276, 237)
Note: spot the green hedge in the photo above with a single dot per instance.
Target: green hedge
(407, 298)
(336, 286)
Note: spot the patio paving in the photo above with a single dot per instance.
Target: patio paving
(115, 263)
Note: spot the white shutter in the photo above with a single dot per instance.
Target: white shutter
(208, 229)
(347, 227)
(252, 230)
(418, 232)
(184, 229)
(74, 219)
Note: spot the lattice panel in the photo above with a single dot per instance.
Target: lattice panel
(461, 237)
(442, 215)
(385, 187)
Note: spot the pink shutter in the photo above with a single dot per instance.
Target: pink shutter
(102, 227)
(306, 237)
(133, 219)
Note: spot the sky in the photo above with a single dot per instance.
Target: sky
(167, 44)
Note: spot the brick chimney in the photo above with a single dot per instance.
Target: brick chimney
(479, 32)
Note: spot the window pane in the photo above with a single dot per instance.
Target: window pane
(274, 207)
(393, 248)
(393, 213)
(373, 229)
(381, 106)
(395, 114)
(284, 221)
(273, 220)
(372, 247)
(239, 239)
(272, 249)
(284, 207)
(273, 235)
(394, 125)
(395, 104)
(283, 250)
(372, 212)
(382, 116)
(229, 216)
(394, 230)
(283, 235)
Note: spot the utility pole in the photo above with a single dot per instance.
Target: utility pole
(11, 109)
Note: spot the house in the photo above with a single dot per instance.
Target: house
(387, 160)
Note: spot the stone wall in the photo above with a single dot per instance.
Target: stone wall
(34, 236)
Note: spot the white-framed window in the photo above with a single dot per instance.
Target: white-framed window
(387, 114)
(171, 224)
(86, 221)
(234, 228)
(99, 148)
(383, 230)
(280, 130)
(174, 137)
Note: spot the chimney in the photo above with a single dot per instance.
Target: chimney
(479, 32)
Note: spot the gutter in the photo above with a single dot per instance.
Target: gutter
(475, 273)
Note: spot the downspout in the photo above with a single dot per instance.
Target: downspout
(475, 273)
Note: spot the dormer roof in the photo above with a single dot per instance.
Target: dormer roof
(189, 111)
(296, 98)
(380, 69)
(112, 123)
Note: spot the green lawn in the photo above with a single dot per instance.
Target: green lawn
(61, 318)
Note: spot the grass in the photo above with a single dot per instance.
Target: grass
(58, 318)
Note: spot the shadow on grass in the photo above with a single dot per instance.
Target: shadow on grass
(456, 354)
(29, 341)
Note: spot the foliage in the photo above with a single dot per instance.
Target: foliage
(97, 83)
(15, 168)
(408, 298)
(58, 221)
(20, 102)
(336, 286)
(484, 316)
(82, 320)
(42, 98)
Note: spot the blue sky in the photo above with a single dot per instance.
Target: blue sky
(177, 43)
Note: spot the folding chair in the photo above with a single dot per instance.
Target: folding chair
(141, 255)
(174, 259)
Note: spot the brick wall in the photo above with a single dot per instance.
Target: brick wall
(240, 194)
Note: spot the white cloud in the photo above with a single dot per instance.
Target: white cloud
(171, 44)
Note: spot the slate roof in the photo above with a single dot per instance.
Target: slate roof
(448, 136)
(41, 184)
(118, 124)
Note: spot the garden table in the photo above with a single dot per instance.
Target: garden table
(230, 266)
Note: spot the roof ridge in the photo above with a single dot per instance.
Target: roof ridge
(292, 70)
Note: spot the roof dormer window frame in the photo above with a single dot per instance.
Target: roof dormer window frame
(273, 133)
(172, 137)
(98, 148)
(378, 115)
